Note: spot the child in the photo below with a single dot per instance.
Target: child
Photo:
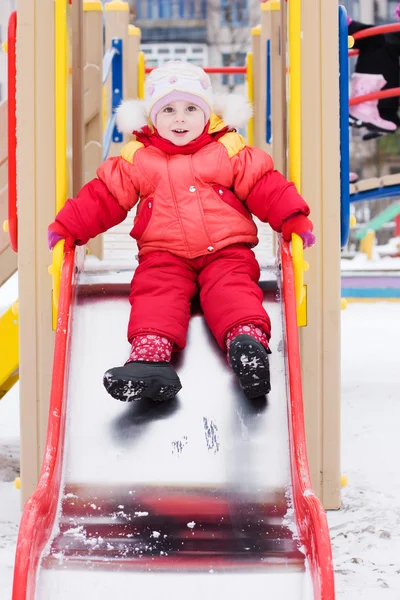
(196, 184)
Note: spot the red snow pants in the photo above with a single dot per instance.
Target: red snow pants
(164, 284)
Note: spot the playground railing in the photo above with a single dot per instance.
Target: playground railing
(112, 62)
(372, 32)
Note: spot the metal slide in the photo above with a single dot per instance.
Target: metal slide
(205, 496)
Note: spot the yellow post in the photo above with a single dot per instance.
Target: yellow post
(141, 75)
(295, 92)
(61, 102)
(367, 244)
(250, 95)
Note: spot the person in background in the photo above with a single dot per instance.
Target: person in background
(377, 68)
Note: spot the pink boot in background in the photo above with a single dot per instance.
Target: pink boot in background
(367, 114)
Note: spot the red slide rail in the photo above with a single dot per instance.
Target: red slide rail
(213, 70)
(40, 510)
(12, 132)
(373, 31)
(309, 513)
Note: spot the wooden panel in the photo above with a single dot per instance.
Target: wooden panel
(3, 131)
(92, 97)
(4, 240)
(3, 174)
(368, 184)
(8, 264)
(391, 179)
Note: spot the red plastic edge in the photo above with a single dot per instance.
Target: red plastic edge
(12, 132)
(309, 513)
(40, 510)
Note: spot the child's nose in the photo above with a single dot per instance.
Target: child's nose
(180, 116)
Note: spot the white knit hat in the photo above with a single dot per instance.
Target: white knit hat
(179, 80)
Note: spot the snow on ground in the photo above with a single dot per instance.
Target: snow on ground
(366, 531)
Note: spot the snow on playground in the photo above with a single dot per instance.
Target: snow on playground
(366, 531)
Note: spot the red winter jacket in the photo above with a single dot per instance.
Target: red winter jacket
(192, 200)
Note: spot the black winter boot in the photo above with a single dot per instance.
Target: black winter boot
(139, 379)
(249, 360)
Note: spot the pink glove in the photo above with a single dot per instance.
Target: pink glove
(397, 11)
(57, 232)
(302, 226)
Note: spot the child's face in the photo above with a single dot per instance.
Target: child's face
(180, 122)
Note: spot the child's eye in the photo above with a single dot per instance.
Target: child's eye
(192, 108)
(168, 109)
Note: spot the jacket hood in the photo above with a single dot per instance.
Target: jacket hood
(229, 110)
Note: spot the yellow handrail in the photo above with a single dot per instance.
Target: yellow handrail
(299, 264)
(141, 74)
(250, 95)
(299, 267)
(61, 67)
(55, 272)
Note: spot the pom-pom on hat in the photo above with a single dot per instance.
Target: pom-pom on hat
(179, 80)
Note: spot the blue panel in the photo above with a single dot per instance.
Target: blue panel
(344, 128)
(117, 83)
(268, 133)
(370, 293)
(387, 191)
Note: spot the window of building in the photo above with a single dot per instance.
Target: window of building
(168, 9)
(144, 9)
(234, 59)
(157, 54)
(165, 9)
(234, 13)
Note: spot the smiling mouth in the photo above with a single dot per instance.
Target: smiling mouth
(180, 130)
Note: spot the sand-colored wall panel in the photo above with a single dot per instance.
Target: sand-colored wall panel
(8, 264)
(92, 92)
(320, 340)
(368, 184)
(4, 239)
(36, 185)
(3, 174)
(3, 131)
(391, 179)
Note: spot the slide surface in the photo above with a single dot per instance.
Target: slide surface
(205, 496)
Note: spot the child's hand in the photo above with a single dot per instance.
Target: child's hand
(57, 232)
(302, 226)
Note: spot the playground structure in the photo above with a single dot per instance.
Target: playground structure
(68, 88)
(374, 281)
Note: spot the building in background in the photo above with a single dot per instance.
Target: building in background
(205, 32)
(371, 11)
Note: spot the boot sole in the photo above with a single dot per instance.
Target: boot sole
(249, 360)
(120, 384)
(359, 124)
